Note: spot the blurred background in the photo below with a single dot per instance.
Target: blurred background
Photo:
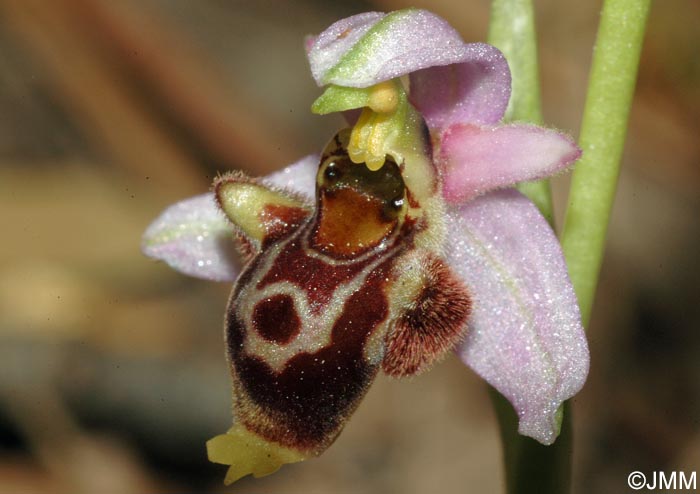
(112, 372)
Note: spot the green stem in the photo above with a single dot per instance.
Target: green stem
(512, 30)
(530, 467)
(603, 132)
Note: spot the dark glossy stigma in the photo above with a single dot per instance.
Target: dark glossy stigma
(393, 208)
(385, 183)
(332, 172)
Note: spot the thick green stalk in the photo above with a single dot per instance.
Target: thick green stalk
(530, 467)
(512, 30)
(603, 132)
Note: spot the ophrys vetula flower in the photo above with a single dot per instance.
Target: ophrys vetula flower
(389, 249)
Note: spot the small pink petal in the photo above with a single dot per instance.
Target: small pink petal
(525, 336)
(477, 159)
(195, 238)
(299, 177)
(474, 89)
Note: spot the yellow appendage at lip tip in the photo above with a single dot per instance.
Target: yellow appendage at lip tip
(248, 453)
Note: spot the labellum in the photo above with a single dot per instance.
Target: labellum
(357, 280)
(332, 293)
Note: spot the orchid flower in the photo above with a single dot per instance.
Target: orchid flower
(500, 293)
